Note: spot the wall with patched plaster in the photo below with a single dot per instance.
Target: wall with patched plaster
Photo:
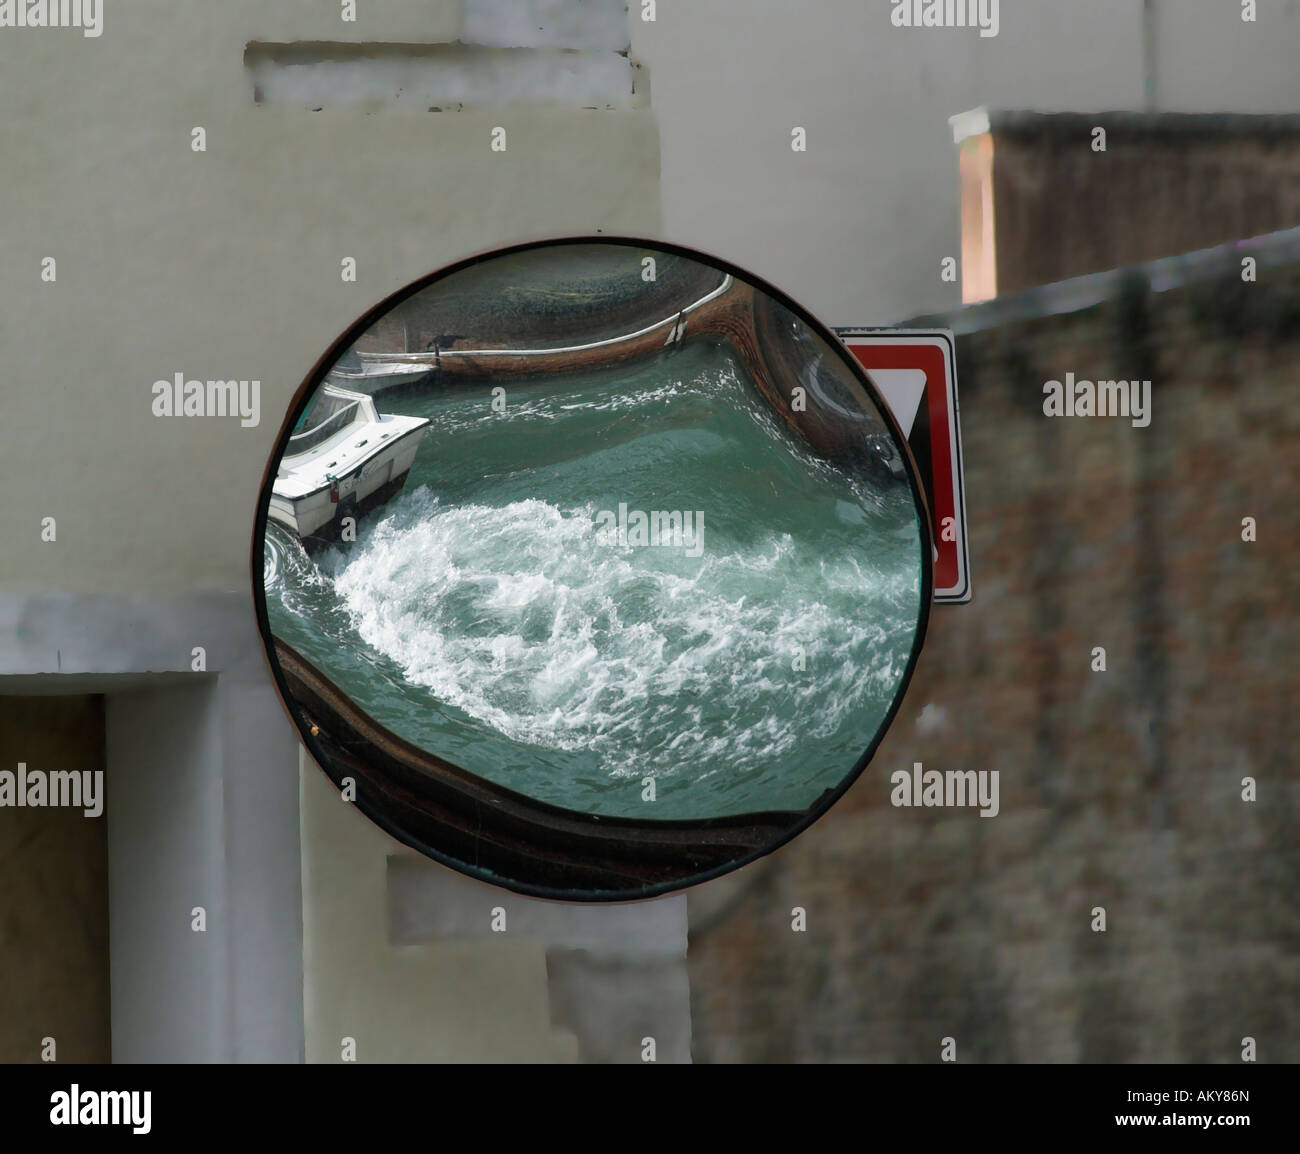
(225, 264)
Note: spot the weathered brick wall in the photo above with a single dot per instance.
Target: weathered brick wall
(1163, 185)
(1120, 788)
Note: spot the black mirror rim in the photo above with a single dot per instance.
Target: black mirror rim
(374, 811)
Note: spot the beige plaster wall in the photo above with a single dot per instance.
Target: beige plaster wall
(226, 264)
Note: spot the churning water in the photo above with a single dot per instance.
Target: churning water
(483, 614)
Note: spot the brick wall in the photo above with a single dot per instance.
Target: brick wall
(1120, 789)
(1164, 184)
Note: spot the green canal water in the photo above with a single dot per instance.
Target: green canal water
(486, 615)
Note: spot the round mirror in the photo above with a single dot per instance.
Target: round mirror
(597, 567)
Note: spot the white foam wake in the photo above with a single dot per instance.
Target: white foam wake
(654, 661)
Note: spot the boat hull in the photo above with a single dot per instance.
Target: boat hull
(317, 517)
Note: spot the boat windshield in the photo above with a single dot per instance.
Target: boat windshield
(325, 416)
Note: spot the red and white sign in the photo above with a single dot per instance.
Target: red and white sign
(916, 373)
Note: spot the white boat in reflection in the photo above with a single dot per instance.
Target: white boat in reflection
(343, 459)
(376, 376)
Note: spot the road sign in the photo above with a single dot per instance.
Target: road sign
(915, 370)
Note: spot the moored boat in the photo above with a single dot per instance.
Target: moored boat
(376, 376)
(343, 459)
